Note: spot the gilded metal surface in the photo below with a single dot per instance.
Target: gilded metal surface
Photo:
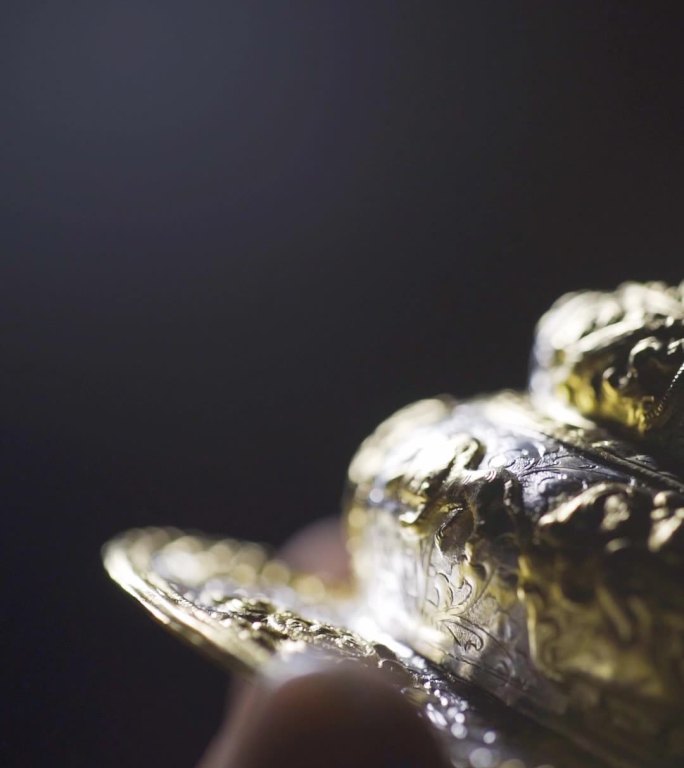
(225, 598)
(617, 357)
(528, 546)
(545, 570)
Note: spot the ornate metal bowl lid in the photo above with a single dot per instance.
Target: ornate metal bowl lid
(518, 557)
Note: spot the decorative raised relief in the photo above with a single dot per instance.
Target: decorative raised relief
(530, 546)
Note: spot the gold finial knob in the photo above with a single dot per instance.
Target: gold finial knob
(616, 357)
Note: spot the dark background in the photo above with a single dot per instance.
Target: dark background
(234, 237)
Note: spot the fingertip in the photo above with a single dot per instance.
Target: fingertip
(335, 718)
(319, 548)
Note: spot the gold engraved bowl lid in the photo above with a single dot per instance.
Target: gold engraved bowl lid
(518, 559)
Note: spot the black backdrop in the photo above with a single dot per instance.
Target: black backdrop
(235, 236)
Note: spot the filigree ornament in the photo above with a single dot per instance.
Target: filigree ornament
(518, 559)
